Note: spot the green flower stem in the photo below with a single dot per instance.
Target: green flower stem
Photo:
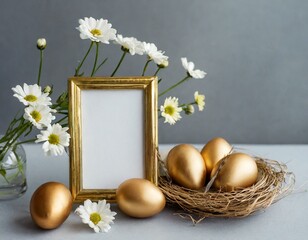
(40, 67)
(12, 124)
(158, 69)
(10, 134)
(186, 104)
(119, 64)
(29, 130)
(173, 86)
(11, 130)
(84, 58)
(95, 60)
(21, 129)
(145, 66)
(11, 178)
(62, 119)
(64, 113)
(99, 66)
(20, 169)
(27, 141)
(16, 131)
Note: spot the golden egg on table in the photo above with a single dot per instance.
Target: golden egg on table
(239, 171)
(140, 198)
(186, 166)
(214, 151)
(50, 205)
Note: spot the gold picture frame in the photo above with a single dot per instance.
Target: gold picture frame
(113, 127)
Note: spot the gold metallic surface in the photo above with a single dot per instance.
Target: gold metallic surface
(75, 86)
(238, 171)
(186, 166)
(140, 198)
(213, 151)
(50, 205)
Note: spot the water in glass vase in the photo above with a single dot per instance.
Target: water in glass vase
(13, 182)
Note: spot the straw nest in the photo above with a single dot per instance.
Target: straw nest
(274, 182)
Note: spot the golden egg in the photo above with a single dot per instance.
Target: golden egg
(50, 205)
(185, 166)
(140, 198)
(239, 171)
(213, 151)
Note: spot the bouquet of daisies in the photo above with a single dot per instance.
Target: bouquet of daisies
(40, 112)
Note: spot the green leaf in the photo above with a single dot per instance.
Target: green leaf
(3, 172)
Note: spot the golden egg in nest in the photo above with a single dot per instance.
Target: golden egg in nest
(50, 205)
(140, 198)
(186, 166)
(239, 171)
(214, 151)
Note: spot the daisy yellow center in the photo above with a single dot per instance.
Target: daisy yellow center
(169, 110)
(36, 115)
(54, 139)
(96, 32)
(95, 218)
(30, 98)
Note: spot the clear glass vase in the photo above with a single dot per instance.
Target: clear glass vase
(13, 181)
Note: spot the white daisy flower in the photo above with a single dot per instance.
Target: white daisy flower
(97, 215)
(171, 110)
(154, 54)
(130, 44)
(40, 116)
(55, 138)
(96, 30)
(31, 95)
(189, 67)
(200, 100)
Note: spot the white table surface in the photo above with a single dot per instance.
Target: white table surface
(287, 219)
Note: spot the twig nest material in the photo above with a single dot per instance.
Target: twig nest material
(273, 183)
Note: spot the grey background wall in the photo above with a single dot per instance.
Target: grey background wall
(255, 54)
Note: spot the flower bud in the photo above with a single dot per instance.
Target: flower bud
(164, 64)
(124, 49)
(62, 97)
(189, 109)
(47, 89)
(41, 43)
